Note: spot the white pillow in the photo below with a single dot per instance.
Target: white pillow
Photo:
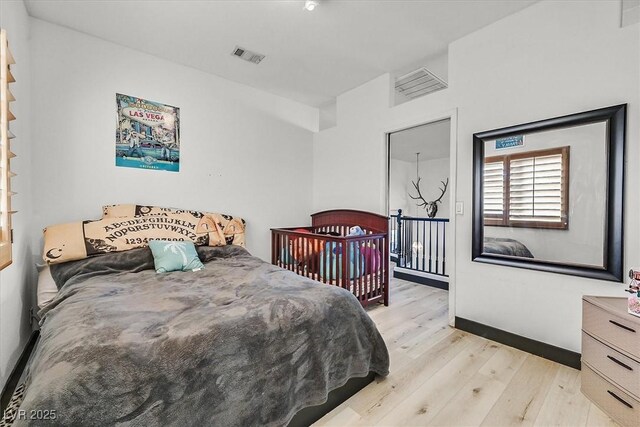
(47, 289)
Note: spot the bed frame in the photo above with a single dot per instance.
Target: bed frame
(362, 263)
(309, 415)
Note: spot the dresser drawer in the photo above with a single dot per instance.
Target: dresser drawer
(622, 370)
(619, 405)
(611, 329)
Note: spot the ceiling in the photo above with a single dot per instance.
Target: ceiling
(311, 57)
(430, 140)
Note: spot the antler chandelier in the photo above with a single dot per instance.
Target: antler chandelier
(430, 207)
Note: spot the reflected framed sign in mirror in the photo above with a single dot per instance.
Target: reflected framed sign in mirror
(548, 195)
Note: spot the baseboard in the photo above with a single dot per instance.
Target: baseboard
(547, 351)
(16, 373)
(421, 280)
(310, 415)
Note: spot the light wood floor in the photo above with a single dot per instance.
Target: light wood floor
(441, 376)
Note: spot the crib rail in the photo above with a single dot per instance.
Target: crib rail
(356, 263)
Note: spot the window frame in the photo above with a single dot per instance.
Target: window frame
(6, 116)
(505, 220)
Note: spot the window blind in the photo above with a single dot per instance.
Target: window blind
(528, 189)
(494, 189)
(535, 189)
(6, 117)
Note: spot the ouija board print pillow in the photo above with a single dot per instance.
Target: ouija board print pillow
(79, 240)
(233, 228)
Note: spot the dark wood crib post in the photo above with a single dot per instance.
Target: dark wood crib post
(384, 269)
(346, 261)
(274, 250)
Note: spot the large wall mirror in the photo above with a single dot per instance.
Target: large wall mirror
(548, 195)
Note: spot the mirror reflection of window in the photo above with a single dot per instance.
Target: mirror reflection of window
(544, 194)
(494, 191)
(527, 189)
(548, 195)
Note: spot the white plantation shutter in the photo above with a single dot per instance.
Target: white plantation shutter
(527, 189)
(494, 187)
(6, 117)
(536, 189)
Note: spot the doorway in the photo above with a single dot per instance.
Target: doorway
(421, 173)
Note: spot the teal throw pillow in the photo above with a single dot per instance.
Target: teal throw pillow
(174, 256)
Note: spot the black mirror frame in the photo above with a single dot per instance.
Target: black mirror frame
(615, 116)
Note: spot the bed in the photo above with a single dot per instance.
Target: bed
(328, 251)
(504, 246)
(239, 343)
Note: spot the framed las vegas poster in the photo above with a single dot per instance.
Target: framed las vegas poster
(148, 134)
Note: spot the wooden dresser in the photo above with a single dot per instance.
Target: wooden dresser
(611, 358)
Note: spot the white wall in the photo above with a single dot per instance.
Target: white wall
(400, 175)
(551, 59)
(17, 280)
(243, 152)
(554, 58)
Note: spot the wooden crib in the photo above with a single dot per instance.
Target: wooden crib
(357, 263)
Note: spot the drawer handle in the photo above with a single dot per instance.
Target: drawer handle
(624, 365)
(619, 399)
(622, 326)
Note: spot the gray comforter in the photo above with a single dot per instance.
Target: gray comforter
(239, 343)
(503, 246)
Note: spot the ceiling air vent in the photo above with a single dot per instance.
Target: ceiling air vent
(247, 55)
(419, 83)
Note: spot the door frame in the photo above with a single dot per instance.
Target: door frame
(403, 124)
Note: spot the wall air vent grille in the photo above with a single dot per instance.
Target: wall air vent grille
(419, 83)
(247, 55)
